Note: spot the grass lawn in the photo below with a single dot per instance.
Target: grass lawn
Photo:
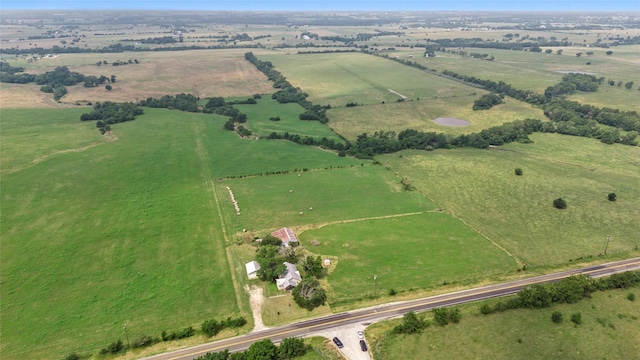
(338, 79)
(126, 232)
(419, 115)
(479, 187)
(407, 252)
(338, 194)
(266, 108)
(610, 329)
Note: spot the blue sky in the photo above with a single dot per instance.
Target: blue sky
(279, 5)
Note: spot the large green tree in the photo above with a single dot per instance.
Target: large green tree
(262, 350)
(309, 294)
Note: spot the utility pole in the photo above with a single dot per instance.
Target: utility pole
(375, 277)
(127, 334)
(606, 246)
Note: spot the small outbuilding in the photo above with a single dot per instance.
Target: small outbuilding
(252, 269)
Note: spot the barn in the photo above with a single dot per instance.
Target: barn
(287, 236)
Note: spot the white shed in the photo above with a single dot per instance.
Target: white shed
(252, 269)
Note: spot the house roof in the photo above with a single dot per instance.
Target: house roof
(252, 266)
(289, 278)
(285, 234)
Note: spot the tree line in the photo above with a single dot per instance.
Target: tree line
(108, 113)
(287, 93)
(265, 349)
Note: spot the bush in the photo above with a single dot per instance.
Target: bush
(291, 347)
(442, 316)
(411, 324)
(631, 297)
(486, 309)
(518, 171)
(559, 203)
(612, 196)
(72, 356)
(556, 317)
(392, 292)
(576, 318)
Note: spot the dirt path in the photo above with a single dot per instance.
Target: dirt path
(397, 93)
(256, 300)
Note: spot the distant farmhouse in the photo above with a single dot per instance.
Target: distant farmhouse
(290, 278)
(287, 236)
(252, 269)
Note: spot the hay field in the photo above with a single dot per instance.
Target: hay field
(419, 115)
(204, 73)
(479, 187)
(335, 194)
(124, 232)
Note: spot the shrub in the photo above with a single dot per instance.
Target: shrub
(518, 171)
(576, 318)
(72, 356)
(486, 309)
(559, 203)
(392, 292)
(443, 316)
(631, 297)
(556, 317)
(411, 324)
(612, 196)
(291, 347)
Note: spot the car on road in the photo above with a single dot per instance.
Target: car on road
(363, 345)
(360, 334)
(338, 343)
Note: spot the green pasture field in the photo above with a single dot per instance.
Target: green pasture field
(124, 232)
(406, 253)
(609, 330)
(232, 156)
(339, 194)
(259, 114)
(479, 187)
(536, 71)
(340, 78)
(29, 136)
(203, 73)
(419, 115)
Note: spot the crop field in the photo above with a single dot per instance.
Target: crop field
(610, 323)
(126, 231)
(338, 79)
(520, 216)
(419, 115)
(203, 73)
(405, 252)
(259, 120)
(337, 194)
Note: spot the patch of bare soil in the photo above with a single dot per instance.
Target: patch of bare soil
(256, 300)
(451, 122)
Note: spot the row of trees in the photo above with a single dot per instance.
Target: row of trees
(487, 101)
(287, 93)
(265, 349)
(573, 82)
(183, 102)
(569, 290)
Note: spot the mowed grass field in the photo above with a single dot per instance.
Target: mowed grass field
(479, 187)
(203, 73)
(420, 115)
(406, 253)
(29, 136)
(123, 232)
(609, 330)
(259, 114)
(335, 194)
(340, 78)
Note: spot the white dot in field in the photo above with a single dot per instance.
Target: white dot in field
(290, 191)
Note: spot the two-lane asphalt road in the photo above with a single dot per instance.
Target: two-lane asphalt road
(391, 310)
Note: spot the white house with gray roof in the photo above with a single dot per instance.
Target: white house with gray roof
(290, 278)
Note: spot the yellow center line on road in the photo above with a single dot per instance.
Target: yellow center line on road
(411, 304)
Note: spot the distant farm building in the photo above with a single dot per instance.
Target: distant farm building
(252, 269)
(286, 235)
(290, 278)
